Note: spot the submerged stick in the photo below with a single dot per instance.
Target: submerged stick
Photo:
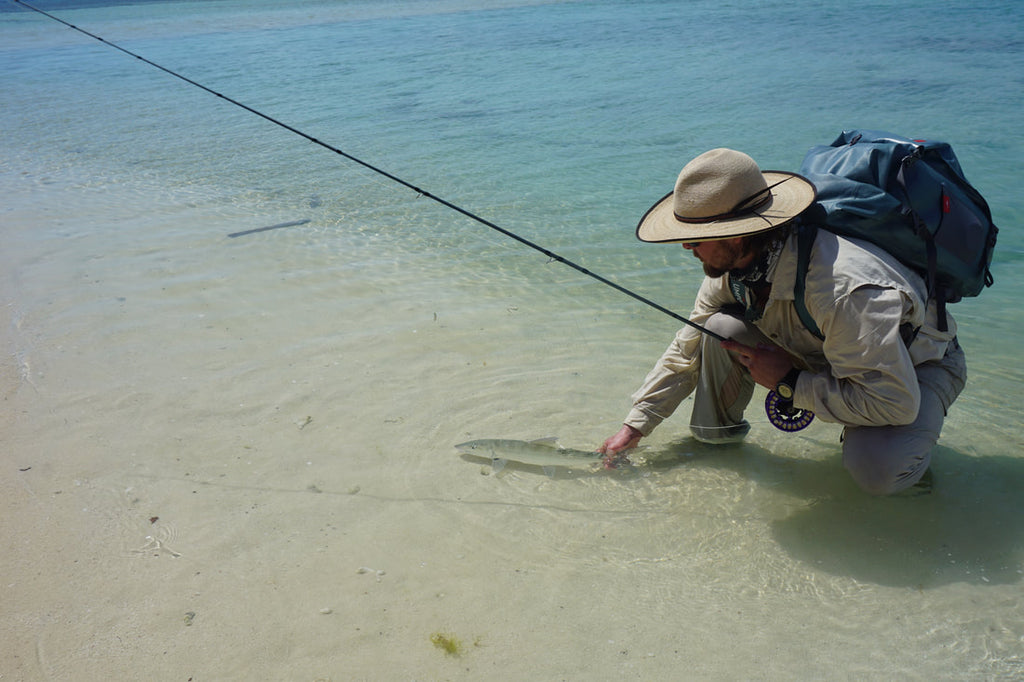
(291, 223)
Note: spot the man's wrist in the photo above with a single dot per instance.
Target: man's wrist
(786, 388)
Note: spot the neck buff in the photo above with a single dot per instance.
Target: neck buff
(756, 276)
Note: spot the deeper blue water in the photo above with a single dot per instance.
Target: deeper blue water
(559, 121)
(575, 113)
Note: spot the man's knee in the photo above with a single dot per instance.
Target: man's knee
(885, 460)
(729, 323)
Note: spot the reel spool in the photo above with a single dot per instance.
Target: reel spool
(783, 415)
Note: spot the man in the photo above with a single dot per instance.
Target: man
(884, 370)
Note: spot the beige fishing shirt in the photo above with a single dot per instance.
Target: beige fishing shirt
(865, 303)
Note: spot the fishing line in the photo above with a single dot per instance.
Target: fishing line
(421, 192)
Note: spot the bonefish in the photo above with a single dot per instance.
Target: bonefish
(544, 453)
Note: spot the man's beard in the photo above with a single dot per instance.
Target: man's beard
(713, 272)
(735, 253)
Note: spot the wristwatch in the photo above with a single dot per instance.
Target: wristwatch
(787, 387)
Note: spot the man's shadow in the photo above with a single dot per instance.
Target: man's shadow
(969, 528)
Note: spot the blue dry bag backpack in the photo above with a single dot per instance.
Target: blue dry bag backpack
(911, 198)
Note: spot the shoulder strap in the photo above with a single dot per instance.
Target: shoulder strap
(805, 235)
(926, 235)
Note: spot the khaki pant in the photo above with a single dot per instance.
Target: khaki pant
(882, 459)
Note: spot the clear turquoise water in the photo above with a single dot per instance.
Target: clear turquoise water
(149, 351)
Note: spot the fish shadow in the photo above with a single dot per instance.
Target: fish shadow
(969, 528)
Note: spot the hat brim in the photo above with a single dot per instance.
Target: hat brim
(790, 196)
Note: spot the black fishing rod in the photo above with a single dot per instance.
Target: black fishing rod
(781, 413)
(421, 192)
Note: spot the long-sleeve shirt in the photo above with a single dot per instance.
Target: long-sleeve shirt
(866, 304)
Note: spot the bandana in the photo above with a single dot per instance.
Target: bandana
(756, 276)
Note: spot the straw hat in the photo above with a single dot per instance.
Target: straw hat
(721, 194)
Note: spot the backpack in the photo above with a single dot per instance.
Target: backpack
(909, 197)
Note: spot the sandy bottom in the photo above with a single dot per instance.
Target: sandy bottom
(232, 459)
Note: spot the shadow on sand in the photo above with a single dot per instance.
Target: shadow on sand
(969, 528)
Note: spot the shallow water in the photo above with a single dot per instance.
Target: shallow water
(258, 431)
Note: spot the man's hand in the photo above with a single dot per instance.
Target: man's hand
(627, 438)
(767, 364)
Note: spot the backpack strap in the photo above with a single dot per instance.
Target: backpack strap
(804, 240)
(931, 274)
(805, 235)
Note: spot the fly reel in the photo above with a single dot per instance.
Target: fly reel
(784, 415)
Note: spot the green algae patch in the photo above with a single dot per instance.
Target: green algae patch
(448, 643)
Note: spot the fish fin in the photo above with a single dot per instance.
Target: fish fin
(497, 464)
(550, 441)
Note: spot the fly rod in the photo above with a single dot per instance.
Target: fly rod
(394, 178)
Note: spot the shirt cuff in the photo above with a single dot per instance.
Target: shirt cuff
(642, 421)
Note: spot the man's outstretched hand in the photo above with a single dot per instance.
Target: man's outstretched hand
(614, 449)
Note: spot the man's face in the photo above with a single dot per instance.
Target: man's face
(721, 255)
